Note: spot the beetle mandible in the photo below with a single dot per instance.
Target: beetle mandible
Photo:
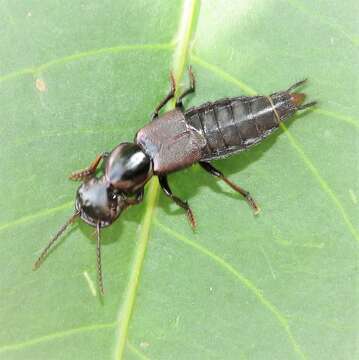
(173, 141)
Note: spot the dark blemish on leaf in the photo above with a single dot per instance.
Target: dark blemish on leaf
(41, 85)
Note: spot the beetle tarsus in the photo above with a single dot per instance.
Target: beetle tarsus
(183, 204)
(167, 98)
(252, 204)
(90, 170)
(191, 218)
(190, 90)
(247, 196)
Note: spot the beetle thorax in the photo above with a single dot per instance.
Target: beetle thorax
(128, 168)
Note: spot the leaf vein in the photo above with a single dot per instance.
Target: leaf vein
(283, 321)
(294, 143)
(86, 54)
(38, 215)
(341, 117)
(56, 335)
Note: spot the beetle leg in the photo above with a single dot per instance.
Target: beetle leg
(212, 170)
(183, 204)
(82, 174)
(137, 199)
(165, 100)
(191, 89)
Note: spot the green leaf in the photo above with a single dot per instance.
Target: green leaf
(77, 79)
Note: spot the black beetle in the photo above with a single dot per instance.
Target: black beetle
(170, 142)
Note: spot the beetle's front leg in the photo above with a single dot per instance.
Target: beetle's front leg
(183, 204)
(165, 100)
(83, 174)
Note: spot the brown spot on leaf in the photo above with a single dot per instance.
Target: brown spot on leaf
(41, 85)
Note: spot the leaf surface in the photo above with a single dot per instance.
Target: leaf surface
(77, 80)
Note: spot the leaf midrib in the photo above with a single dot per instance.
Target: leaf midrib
(184, 35)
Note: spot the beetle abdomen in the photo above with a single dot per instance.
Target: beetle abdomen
(234, 124)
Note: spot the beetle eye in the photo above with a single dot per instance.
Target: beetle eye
(128, 168)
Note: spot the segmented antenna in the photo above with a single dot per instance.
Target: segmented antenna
(44, 253)
(98, 253)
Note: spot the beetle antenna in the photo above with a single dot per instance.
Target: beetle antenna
(98, 254)
(44, 253)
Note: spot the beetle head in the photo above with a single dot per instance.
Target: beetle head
(98, 203)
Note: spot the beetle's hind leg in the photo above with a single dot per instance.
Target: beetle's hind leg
(90, 170)
(167, 98)
(183, 204)
(190, 90)
(213, 171)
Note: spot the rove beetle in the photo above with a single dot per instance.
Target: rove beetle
(170, 142)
